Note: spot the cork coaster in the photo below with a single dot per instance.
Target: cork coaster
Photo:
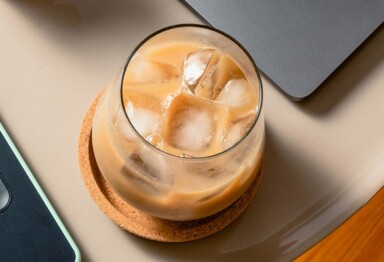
(137, 222)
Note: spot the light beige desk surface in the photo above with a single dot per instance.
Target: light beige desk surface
(324, 156)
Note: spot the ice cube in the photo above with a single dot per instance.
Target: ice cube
(150, 164)
(206, 72)
(142, 69)
(238, 129)
(235, 93)
(189, 125)
(198, 68)
(138, 181)
(123, 134)
(142, 100)
(158, 90)
(146, 175)
(195, 65)
(227, 69)
(144, 112)
(145, 121)
(192, 129)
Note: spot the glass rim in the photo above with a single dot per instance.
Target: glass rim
(206, 27)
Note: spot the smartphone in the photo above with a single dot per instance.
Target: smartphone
(30, 229)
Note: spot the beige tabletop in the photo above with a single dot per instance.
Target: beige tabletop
(324, 156)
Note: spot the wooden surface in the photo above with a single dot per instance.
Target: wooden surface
(360, 238)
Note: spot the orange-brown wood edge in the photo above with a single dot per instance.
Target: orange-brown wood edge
(360, 238)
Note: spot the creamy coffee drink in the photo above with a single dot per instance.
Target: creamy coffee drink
(183, 138)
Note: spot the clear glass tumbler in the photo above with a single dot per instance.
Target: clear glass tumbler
(163, 183)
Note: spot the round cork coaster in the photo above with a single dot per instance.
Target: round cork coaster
(137, 222)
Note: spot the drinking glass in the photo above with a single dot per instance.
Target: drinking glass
(164, 185)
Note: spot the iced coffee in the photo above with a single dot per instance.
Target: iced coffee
(179, 134)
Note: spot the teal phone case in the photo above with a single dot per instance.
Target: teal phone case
(30, 229)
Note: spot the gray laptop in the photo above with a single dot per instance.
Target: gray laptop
(296, 44)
